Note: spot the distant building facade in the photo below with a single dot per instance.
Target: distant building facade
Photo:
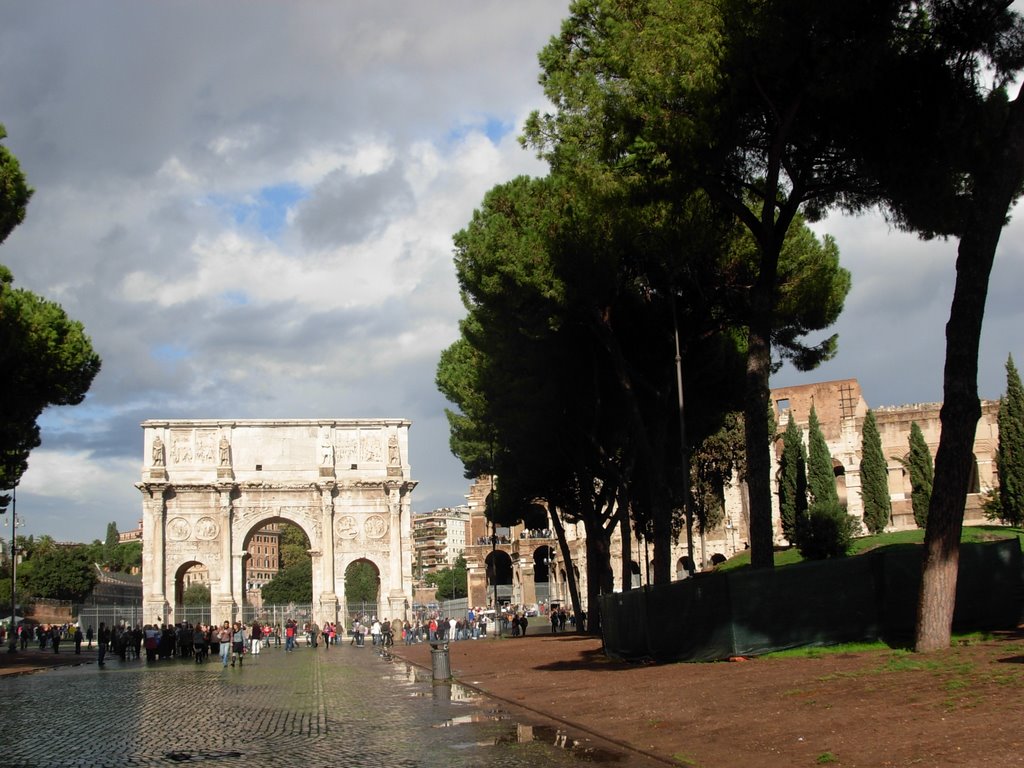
(439, 537)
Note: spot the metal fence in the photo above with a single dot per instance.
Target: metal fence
(277, 615)
(113, 615)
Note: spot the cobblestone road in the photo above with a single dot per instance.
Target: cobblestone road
(342, 707)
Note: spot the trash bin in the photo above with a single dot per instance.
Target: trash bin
(442, 667)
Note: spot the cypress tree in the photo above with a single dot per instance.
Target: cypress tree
(793, 479)
(921, 475)
(1010, 457)
(821, 479)
(874, 478)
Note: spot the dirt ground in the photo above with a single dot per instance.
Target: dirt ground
(960, 707)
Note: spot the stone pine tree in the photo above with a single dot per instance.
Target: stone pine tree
(874, 478)
(922, 472)
(821, 479)
(793, 479)
(1010, 458)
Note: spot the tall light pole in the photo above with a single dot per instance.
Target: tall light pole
(551, 561)
(687, 507)
(12, 643)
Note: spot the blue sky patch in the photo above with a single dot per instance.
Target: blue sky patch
(266, 210)
(169, 353)
(235, 298)
(493, 128)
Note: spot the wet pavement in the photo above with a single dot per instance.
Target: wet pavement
(342, 707)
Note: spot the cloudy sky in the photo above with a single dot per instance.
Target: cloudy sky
(250, 207)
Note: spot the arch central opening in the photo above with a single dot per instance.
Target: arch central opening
(277, 574)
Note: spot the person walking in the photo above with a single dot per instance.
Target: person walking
(314, 634)
(88, 636)
(224, 638)
(103, 640)
(289, 636)
(256, 638)
(78, 637)
(237, 643)
(199, 643)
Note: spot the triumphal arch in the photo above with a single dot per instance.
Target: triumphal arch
(208, 485)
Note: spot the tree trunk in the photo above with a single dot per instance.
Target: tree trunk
(570, 570)
(961, 408)
(755, 415)
(627, 545)
(599, 572)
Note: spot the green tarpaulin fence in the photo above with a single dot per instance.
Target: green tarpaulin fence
(863, 598)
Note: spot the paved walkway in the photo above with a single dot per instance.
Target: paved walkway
(337, 707)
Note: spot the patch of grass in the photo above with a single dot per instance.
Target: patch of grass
(864, 544)
(906, 662)
(682, 759)
(818, 651)
(825, 758)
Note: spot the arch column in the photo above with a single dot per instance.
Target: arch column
(396, 594)
(328, 608)
(155, 605)
(222, 600)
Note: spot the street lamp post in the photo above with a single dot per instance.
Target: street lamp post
(494, 575)
(12, 640)
(551, 561)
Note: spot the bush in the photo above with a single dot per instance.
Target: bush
(826, 531)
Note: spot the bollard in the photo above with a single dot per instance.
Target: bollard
(441, 662)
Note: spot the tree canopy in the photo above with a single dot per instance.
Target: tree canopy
(293, 584)
(362, 582)
(58, 573)
(46, 357)
(450, 583)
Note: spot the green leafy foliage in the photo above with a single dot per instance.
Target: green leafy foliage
(731, 101)
(46, 358)
(1010, 457)
(449, 582)
(293, 547)
(821, 478)
(196, 594)
(713, 465)
(293, 584)
(826, 531)
(874, 477)
(58, 573)
(362, 582)
(919, 465)
(793, 479)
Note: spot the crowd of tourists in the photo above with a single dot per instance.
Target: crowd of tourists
(47, 636)
(231, 642)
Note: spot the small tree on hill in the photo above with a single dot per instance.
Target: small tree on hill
(1010, 457)
(821, 479)
(826, 531)
(919, 465)
(874, 478)
(792, 479)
